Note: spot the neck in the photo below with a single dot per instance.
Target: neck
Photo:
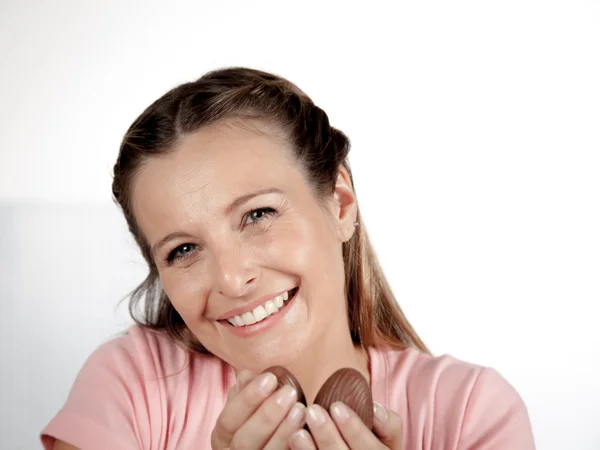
(312, 369)
(328, 353)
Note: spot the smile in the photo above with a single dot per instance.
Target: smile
(263, 311)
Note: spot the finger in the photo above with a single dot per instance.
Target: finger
(240, 407)
(242, 379)
(323, 430)
(263, 424)
(301, 440)
(388, 426)
(293, 422)
(353, 429)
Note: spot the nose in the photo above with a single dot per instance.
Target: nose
(235, 273)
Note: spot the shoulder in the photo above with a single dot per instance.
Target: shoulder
(146, 356)
(417, 373)
(131, 385)
(464, 404)
(445, 377)
(138, 354)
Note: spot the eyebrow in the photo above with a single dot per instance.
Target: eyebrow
(232, 206)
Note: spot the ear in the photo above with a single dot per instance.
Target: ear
(345, 207)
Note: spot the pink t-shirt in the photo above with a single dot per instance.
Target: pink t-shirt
(141, 391)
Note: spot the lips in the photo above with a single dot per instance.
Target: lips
(263, 310)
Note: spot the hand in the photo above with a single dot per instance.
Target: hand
(256, 417)
(347, 431)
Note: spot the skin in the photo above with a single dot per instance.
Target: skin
(236, 258)
(233, 256)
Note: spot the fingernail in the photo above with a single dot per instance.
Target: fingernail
(286, 396)
(380, 412)
(316, 416)
(296, 415)
(340, 412)
(267, 383)
(300, 440)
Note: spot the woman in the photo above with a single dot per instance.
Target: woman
(239, 195)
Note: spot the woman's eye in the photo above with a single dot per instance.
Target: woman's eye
(184, 251)
(256, 215)
(180, 253)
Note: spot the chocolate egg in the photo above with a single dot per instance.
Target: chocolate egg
(350, 387)
(285, 377)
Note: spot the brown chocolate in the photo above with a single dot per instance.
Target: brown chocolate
(345, 385)
(350, 387)
(285, 377)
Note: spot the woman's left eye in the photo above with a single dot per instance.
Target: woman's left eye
(257, 215)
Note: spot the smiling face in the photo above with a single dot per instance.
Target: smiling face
(250, 230)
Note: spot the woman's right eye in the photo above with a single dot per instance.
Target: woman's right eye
(180, 253)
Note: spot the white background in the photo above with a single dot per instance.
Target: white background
(476, 152)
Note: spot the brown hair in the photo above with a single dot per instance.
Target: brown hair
(374, 315)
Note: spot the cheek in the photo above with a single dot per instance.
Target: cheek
(290, 243)
(187, 295)
(303, 247)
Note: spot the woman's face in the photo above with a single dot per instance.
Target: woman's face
(246, 253)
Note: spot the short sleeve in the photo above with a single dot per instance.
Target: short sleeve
(108, 405)
(495, 417)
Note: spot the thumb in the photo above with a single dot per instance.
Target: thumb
(388, 427)
(243, 377)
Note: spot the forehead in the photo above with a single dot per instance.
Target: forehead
(208, 169)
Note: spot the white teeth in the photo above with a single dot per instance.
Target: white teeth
(279, 301)
(270, 307)
(248, 318)
(238, 321)
(260, 312)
